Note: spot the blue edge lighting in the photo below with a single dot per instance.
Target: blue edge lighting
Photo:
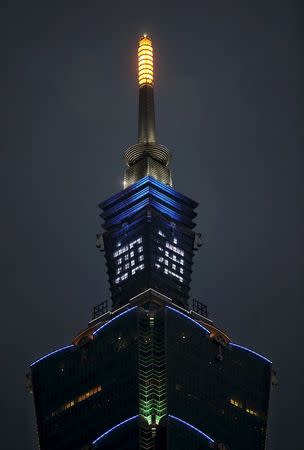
(114, 428)
(192, 428)
(114, 318)
(231, 344)
(250, 351)
(137, 416)
(52, 353)
(240, 347)
(189, 318)
(140, 183)
(95, 332)
(179, 208)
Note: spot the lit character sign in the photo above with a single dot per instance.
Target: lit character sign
(129, 259)
(171, 258)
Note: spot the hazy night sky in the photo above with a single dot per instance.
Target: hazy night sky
(229, 105)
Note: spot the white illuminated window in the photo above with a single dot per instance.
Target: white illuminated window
(122, 250)
(166, 262)
(132, 263)
(174, 241)
(175, 249)
(141, 258)
(126, 257)
(127, 266)
(161, 233)
(157, 266)
(118, 244)
(140, 267)
(161, 259)
(124, 276)
(181, 270)
(175, 275)
(119, 261)
(160, 249)
(174, 266)
(167, 253)
(131, 254)
(140, 249)
(119, 270)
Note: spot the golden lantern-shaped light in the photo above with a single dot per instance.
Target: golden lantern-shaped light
(145, 61)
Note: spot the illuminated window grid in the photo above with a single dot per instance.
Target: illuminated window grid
(176, 254)
(126, 258)
(173, 274)
(170, 246)
(77, 400)
(175, 249)
(127, 247)
(174, 269)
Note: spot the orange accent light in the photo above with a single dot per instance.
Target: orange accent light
(145, 61)
(76, 400)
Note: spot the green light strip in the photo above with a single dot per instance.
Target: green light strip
(152, 375)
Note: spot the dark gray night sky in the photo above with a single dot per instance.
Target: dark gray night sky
(229, 104)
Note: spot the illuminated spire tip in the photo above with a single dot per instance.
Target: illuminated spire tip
(145, 61)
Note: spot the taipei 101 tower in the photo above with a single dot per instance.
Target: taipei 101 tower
(151, 372)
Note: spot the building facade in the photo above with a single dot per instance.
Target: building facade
(152, 372)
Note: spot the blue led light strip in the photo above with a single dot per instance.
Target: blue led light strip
(174, 203)
(192, 428)
(114, 428)
(148, 180)
(52, 353)
(250, 351)
(169, 212)
(189, 318)
(114, 318)
(128, 213)
(139, 206)
(151, 192)
(125, 202)
(171, 191)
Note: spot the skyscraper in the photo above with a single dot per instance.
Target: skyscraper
(153, 371)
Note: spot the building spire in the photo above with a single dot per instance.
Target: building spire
(147, 157)
(146, 115)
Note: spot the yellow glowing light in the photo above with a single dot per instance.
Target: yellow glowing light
(76, 400)
(145, 61)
